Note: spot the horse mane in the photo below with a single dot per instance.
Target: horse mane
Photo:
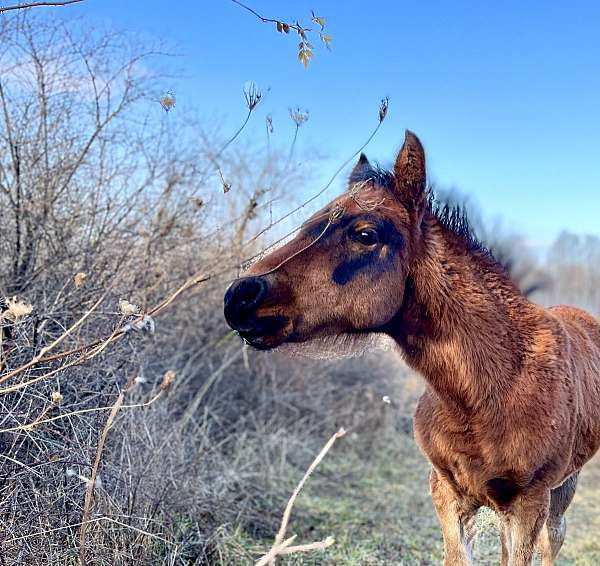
(453, 217)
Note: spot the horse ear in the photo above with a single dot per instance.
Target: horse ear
(360, 169)
(409, 171)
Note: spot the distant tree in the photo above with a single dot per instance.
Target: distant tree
(573, 262)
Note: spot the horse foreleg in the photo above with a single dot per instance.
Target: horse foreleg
(457, 519)
(553, 533)
(505, 542)
(526, 519)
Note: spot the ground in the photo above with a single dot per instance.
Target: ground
(376, 505)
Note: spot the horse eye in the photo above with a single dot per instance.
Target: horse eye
(366, 237)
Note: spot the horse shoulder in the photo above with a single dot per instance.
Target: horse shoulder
(582, 361)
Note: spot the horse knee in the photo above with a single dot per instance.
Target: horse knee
(557, 530)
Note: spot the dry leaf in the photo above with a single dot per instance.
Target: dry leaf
(326, 39)
(319, 21)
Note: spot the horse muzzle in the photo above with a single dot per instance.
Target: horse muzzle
(243, 302)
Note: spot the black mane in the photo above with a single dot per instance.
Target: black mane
(451, 216)
(454, 217)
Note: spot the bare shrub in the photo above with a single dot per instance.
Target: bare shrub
(104, 217)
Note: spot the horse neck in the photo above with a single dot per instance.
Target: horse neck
(463, 322)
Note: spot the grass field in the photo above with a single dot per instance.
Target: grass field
(372, 496)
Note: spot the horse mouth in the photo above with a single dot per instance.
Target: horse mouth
(267, 332)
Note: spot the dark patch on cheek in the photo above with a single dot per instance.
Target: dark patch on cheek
(347, 269)
(376, 261)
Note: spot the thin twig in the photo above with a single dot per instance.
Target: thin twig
(269, 20)
(233, 137)
(20, 464)
(96, 520)
(37, 5)
(95, 348)
(89, 493)
(56, 342)
(318, 194)
(81, 412)
(281, 546)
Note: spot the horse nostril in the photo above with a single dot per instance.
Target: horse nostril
(248, 293)
(242, 297)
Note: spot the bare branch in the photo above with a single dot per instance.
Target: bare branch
(37, 5)
(281, 546)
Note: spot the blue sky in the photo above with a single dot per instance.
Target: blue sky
(504, 95)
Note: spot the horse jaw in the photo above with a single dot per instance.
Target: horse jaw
(338, 346)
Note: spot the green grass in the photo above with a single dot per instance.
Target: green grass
(376, 505)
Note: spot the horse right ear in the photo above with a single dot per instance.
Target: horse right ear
(409, 171)
(360, 170)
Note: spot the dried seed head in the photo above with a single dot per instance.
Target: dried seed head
(56, 398)
(299, 116)
(127, 309)
(14, 309)
(252, 94)
(144, 324)
(167, 380)
(383, 108)
(79, 279)
(167, 101)
(269, 121)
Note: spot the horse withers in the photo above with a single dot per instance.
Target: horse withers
(511, 410)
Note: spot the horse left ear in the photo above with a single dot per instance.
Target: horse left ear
(409, 171)
(361, 168)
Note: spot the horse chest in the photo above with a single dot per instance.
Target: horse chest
(472, 462)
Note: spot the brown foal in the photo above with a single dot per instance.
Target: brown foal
(511, 410)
